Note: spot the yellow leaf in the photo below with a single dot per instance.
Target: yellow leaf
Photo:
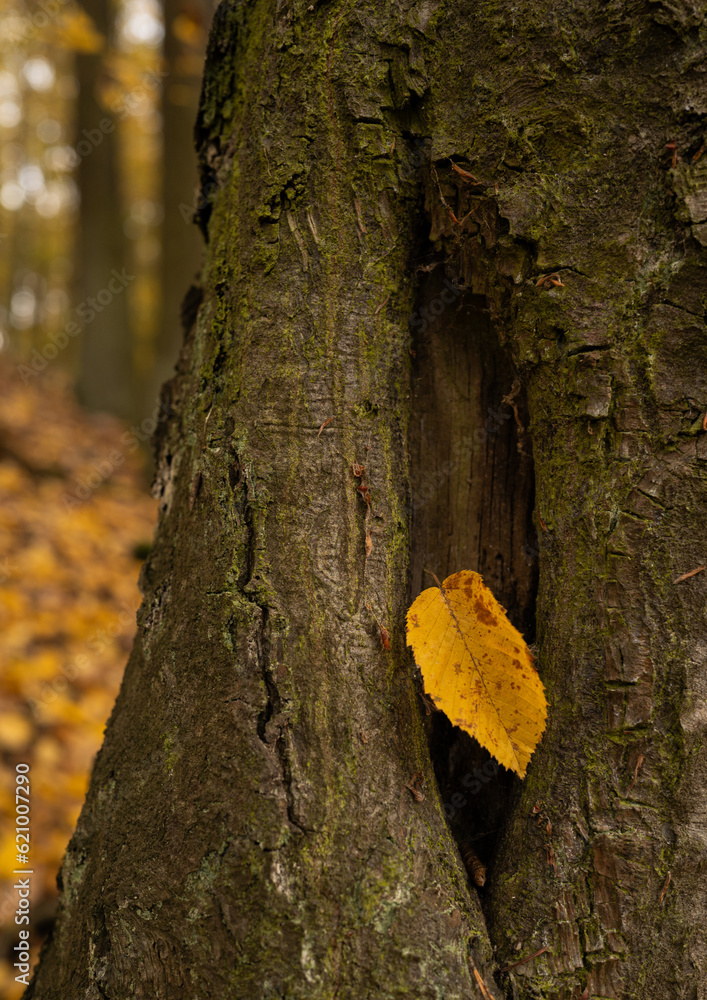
(477, 668)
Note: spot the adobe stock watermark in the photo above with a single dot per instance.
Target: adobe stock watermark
(104, 468)
(91, 138)
(86, 312)
(22, 27)
(473, 782)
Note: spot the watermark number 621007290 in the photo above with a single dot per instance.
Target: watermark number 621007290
(22, 859)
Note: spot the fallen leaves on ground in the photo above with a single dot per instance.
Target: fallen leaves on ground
(75, 514)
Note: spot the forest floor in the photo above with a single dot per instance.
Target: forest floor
(76, 519)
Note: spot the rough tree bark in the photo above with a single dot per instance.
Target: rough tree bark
(248, 831)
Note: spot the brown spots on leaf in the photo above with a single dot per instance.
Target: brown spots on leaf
(483, 614)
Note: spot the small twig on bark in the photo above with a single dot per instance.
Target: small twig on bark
(686, 576)
(384, 633)
(553, 278)
(359, 472)
(522, 961)
(383, 303)
(410, 785)
(465, 174)
(481, 984)
(510, 400)
(357, 205)
(442, 198)
(665, 887)
(425, 702)
(639, 762)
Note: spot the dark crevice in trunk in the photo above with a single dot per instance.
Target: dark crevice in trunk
(472, 502)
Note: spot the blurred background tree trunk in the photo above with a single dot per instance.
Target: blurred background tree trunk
(186, 27)
(105, 378)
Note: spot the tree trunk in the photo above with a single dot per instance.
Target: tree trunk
(186, 26)
(248, 831)
(105, 376)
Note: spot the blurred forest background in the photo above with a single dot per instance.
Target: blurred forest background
(97, 250)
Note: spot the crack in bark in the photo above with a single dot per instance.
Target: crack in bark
(588, 349)
(274, 707)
